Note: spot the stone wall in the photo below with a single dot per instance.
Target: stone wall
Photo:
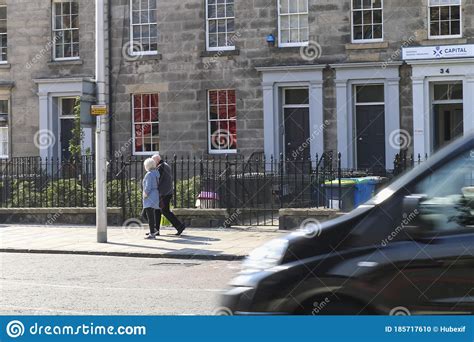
(58, 216)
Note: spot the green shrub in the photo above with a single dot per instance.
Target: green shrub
(25, 194)
(66, 193)
(187, 191)
(132, 193)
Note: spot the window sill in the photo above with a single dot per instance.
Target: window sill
(144, 154)
(366, 46)
(443, 41)
(139, 58)
(292, 45)
(5, 65)
(220, 153)
(220, 53)
(66, 62)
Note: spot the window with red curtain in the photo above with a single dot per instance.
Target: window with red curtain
(146, 123)
(222, 121)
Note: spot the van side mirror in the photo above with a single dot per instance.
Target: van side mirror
(412, 209)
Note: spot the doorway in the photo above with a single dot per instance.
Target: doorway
(296, 123)
(66, 126)
(447, 113)
(370, 126)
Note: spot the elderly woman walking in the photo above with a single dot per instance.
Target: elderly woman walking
(151, 196)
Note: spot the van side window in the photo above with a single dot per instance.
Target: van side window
(449, 190)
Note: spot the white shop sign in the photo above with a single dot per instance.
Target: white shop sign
(438, 52)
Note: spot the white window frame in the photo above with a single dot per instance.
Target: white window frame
(7, 141)
(298, 44)
(5, 34)
(218, 48)
(53, 23)
(362, 41)
(460, 35)
(146, 153)
(131, 50)
(209, 126)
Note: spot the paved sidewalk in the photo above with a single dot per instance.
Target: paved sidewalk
(203, 244)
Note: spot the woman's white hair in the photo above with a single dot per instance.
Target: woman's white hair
(149, 164)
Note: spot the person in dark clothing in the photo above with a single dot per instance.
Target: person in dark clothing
(165, 188)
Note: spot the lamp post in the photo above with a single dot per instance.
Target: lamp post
(101, 128)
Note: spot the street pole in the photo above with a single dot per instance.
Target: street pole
(101, 129)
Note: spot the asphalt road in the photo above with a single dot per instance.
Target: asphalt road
(38, 284)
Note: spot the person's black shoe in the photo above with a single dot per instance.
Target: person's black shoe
(181, 230)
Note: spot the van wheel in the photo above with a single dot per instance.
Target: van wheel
(326, 307)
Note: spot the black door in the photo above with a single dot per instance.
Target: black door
(297, 134)
(67, 126)
(370, 140)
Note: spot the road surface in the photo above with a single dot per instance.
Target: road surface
(40, 284)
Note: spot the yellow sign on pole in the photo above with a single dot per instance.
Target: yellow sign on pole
(98, 110)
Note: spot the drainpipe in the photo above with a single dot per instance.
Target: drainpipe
(101, 129)
(109, 34)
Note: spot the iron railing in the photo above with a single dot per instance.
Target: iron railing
(404, 162)
(251, 190)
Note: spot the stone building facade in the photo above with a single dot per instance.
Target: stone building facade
(223, 77)
(33, 80)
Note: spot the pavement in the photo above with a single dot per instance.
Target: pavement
(195, 243)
